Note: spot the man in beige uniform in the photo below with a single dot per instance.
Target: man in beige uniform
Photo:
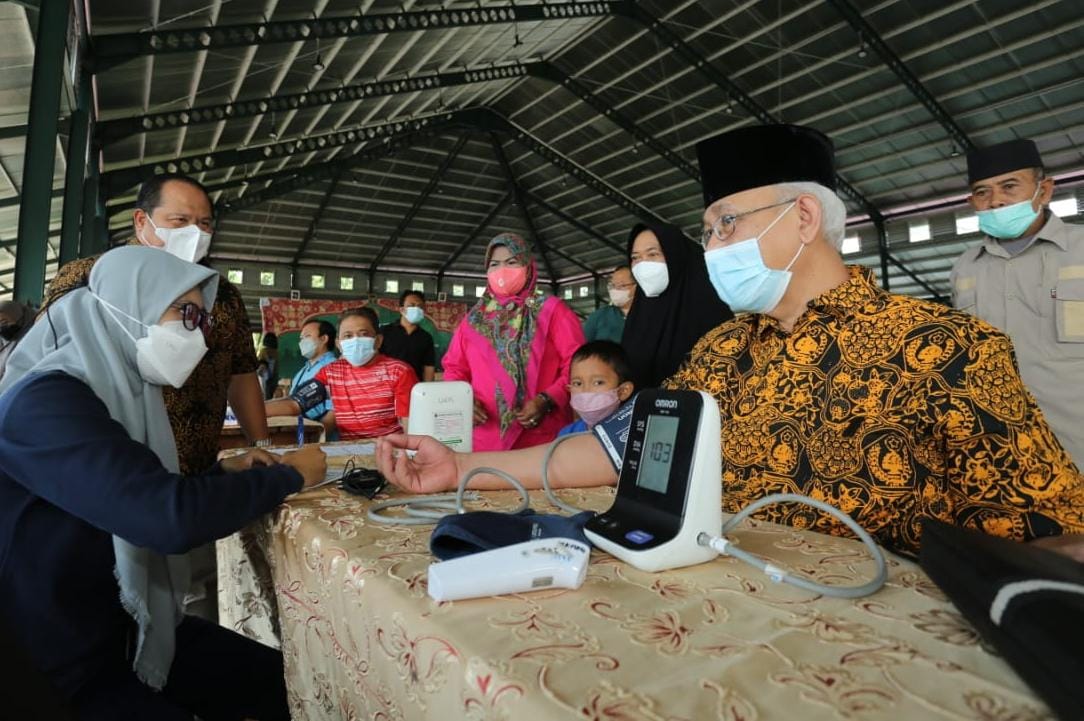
(1026, 278)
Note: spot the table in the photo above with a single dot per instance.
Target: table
(361, 638)
(281, 430)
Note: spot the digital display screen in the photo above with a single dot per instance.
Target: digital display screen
(658, 453)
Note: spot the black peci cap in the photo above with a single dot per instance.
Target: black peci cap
(983, 163)
(764, 155)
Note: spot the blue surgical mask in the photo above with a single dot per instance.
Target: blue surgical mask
(1010, 221)
(307, 346)
(741, 278)
(414, 314)
(358, 350)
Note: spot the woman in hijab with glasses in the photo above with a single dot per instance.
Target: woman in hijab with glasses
(514, 347)
(675, 302)
(93, 512)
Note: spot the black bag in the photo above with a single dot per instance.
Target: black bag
(1026, 601)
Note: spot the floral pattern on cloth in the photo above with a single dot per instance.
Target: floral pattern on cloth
(890, 408)
(361, 638)
(509, 324)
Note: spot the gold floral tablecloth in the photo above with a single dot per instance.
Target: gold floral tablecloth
(362, 640)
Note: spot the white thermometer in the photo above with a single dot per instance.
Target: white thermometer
(528, 566)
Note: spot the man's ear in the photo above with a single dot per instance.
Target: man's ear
(1046, 191)
(624, 391)
(810, 214)
(139, 223)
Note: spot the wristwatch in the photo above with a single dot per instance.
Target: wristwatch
(262, 443)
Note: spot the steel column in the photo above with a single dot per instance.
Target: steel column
(91, 239)
(40, 159)
(73, 183)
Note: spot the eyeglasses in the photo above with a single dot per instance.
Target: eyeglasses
(620, 286)
(363, 482)
(723, 227)
(192, 316)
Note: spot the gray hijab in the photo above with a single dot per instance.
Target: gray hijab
(81, 337)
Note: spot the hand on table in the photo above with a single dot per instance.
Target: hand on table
(433, 469)
(310, 462)
(480, 415)
(248, 459)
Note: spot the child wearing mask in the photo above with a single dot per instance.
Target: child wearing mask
(369, 392)
(599, 382)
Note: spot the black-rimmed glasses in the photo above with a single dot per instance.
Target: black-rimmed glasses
(193, 317)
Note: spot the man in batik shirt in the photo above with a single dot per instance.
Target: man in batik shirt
(889, 407)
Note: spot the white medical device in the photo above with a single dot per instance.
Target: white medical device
(667, 512)
(528, 566)
(669, 490)
(445, 411)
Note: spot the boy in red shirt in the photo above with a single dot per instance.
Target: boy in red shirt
(370, 392)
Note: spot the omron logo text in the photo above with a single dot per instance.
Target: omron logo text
(663, 403)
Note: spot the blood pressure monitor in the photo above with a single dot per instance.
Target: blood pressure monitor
(670, 487)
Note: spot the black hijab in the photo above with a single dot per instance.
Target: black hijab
(660, 331)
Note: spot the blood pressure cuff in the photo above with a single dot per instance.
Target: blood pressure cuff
(613, 433)
(461, 534)
(1026, 601)
(309, 395)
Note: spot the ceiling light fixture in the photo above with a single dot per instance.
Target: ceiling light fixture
(319, 63)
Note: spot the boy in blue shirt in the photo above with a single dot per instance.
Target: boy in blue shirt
(599, 382)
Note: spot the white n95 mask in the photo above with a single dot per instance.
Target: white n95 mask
(652, 276)
(188, 243)
(168, 354)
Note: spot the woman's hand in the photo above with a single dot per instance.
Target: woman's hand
(431, 467)
(532, 412)
(480, 415)
(248, 459)
(310, 462)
